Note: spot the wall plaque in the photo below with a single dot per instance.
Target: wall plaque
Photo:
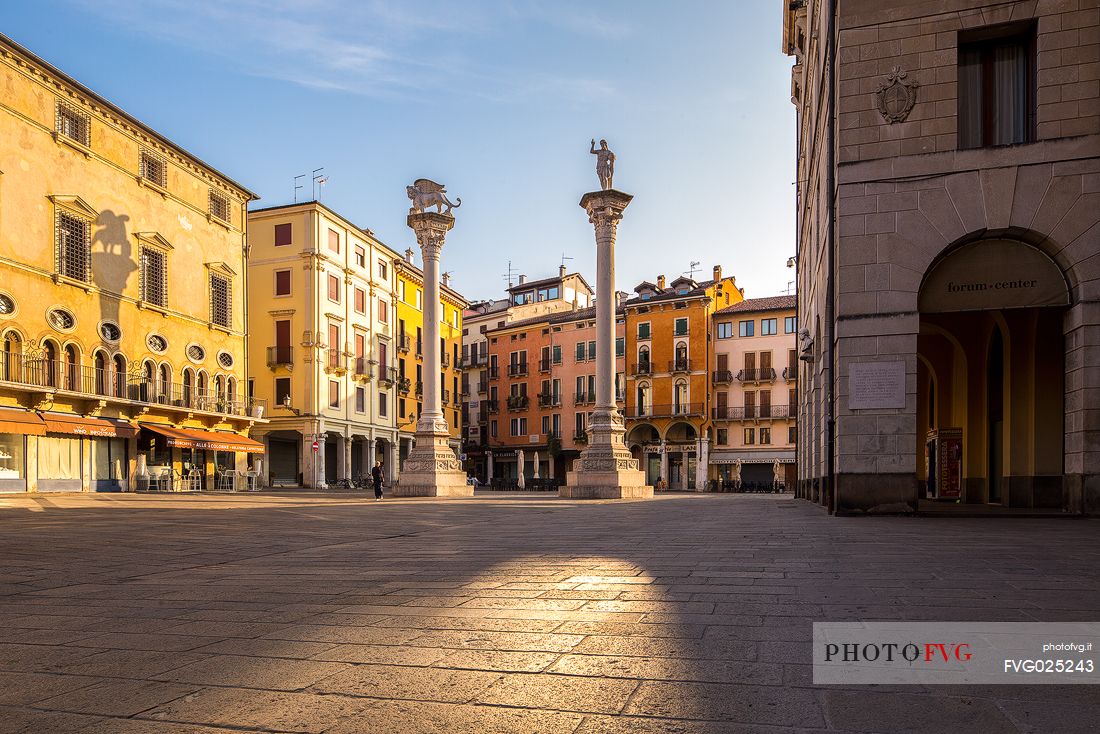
(876, 385)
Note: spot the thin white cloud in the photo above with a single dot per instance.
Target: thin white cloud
(367, 47)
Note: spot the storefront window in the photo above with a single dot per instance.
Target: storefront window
(11, 456)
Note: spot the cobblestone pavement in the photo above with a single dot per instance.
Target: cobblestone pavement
(300, 613)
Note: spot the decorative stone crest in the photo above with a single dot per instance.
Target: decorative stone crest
(896, 96)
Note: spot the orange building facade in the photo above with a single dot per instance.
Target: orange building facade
(669, 352)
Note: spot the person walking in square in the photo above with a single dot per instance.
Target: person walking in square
(376, 477)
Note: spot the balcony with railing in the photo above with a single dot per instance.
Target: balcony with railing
(363, 368)
(404, 343)
(404, 384)
(584, 398)
(280, 356)
(419, 348)
(518, 402)
(518, 369)
(334, 359)
(580, 436)
(722, 377)
(549, 400)
(641, 368)
(445, 395)
(756, 374)
(482, 388)
(749, 412)
(445, 359)
(387, 374)
(50, 376)
(666, 410)
(419, 388)
(494, 373)
(492, 407)
(790, 373)
(544, 365)
(683, 364)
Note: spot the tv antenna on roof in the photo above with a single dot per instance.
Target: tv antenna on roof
(565, 257)
(297, 186)
(318, 180)
(691, 270)
(508, 276)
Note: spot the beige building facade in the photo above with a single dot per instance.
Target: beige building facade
(322, 344)
(122, 280)
(754, 381)
(948, 241)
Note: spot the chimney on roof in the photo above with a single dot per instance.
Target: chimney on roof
(717, 272)
(660, 282)
(409, 255)
(561, 271)
(522, 278)
(447, 280)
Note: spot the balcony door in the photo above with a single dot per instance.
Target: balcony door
(282, 341)
(765, 403)
(765, 365)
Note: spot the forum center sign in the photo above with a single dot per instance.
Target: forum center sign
(993, 274)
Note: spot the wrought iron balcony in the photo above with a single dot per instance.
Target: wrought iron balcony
(790, 374)
(363, 367)
(544, 365)
(494, 373)
(445, 359)
(48, 376)
(549, 400)
(491, 406)
(445, 395)
(387, 374)
(334, 358)
(404, 342)
(750, 412)
(519, 369)
(722, 377)
(679, 365)
(404, 384)
(584, 398)
(642, 368)
(280, 356)
(757, 374)
(518, 402)
(419, 348)
(667, 410)
(482, 388)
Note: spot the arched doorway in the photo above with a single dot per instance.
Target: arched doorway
(990, 376)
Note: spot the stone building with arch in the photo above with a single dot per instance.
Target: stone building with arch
(122, 280)
(948, 254)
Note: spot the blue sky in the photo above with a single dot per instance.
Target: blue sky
(497, 99)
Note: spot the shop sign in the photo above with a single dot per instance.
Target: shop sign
(993, 274)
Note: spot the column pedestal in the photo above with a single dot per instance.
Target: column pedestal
(432, 470)
(606, 469)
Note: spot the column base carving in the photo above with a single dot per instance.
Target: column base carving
(606, 469)
(432, 470)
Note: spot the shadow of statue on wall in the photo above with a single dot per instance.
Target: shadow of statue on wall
(112, 261)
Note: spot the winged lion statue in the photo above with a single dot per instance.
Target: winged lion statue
(425, 194)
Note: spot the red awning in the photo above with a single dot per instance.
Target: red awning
(22, 422)
(78, 425)
(194, 438)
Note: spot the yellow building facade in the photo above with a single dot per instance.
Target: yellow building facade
(410, 353)
(322, 344)
(122, 280)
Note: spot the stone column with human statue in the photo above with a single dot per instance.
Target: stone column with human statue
(605, 469)
(431, 469)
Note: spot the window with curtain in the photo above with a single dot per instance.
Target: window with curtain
(996, 87)
(58, 457)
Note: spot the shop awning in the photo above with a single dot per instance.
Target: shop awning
(78, 425)
(21, 421)
(194, 438)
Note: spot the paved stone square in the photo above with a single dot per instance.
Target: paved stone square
(687, 613)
